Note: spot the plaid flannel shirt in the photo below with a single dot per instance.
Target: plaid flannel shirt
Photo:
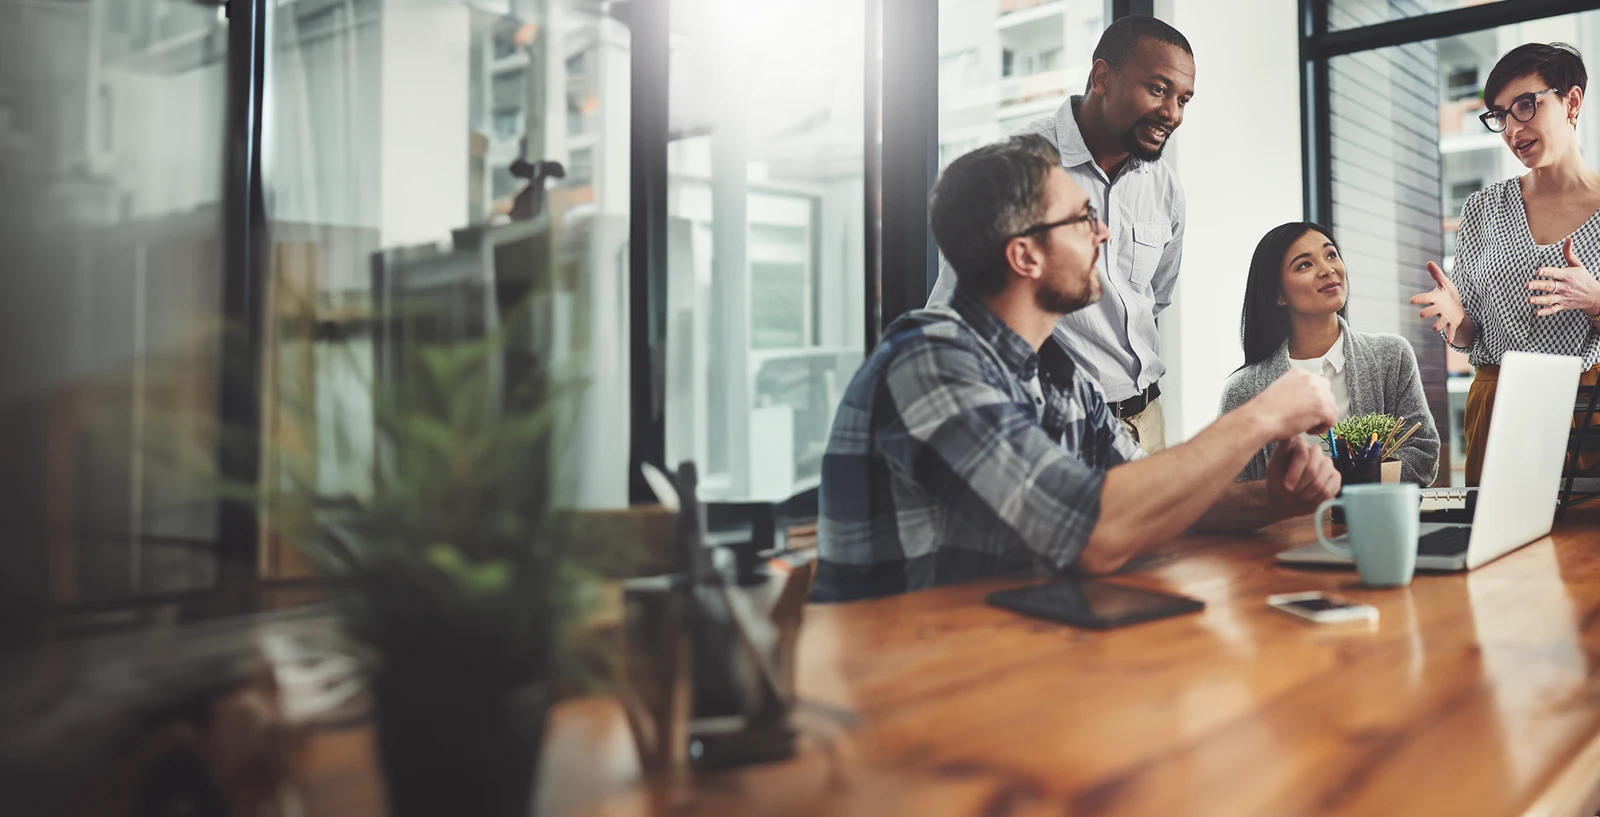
(958, 452)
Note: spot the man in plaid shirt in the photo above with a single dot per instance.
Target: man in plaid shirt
(970, 442)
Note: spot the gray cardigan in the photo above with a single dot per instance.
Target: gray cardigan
(1381, 372)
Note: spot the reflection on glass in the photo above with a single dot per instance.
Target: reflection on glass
(111, 135)
(1004, 66)
(765, 237)
(432, 165)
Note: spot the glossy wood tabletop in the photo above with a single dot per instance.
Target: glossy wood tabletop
(1475, 694)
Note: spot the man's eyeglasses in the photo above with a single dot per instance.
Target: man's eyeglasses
(1090, 215)
(1523, 108)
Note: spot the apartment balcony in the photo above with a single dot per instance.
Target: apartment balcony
(1021, 13)
(1461, 116)
(1014, 6)
(983, 97)
(1459, 128)
(1042, 91)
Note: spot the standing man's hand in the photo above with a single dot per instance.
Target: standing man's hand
(1298, 403)
(1300, 476)
(1442, 303)
(1569, 287)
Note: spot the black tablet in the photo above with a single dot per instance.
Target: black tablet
(1092, 604)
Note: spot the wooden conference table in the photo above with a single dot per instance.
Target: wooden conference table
(1476, 694)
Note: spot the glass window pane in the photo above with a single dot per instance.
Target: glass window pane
(1002, 66)
(1344, 14)
(112, 117)
(1386, 192)
(1408, 150)
(433, 165)
(765, 237)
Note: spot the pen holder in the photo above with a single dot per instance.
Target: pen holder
(1363, 472)
(1358, 472)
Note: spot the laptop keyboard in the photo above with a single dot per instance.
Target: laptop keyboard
(1444, 542)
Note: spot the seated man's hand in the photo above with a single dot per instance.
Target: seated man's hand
(1300, 476)
(1297, 403)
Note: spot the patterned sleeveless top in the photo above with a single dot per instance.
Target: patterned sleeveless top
(1496, 257)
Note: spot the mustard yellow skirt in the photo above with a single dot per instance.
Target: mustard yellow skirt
(1480, 403)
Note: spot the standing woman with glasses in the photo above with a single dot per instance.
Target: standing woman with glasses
(1527, 247)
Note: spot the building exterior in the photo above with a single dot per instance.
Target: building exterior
(1005, 63)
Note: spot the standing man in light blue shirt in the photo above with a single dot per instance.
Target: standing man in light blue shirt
(1110, 140)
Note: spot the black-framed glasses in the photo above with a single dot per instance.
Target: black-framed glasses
(1523, 108)
(1090, 215)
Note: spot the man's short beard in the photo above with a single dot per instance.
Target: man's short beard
(1060, 303)
(1136, 149)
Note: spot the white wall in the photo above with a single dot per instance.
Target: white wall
(1238, 156)
(424, 135)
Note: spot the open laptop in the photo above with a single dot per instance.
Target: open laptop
(1516, 503)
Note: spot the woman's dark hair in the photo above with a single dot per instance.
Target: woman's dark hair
(1264, 325)
(1558, 64)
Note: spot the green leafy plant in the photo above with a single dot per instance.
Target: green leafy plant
(1358, 431)
(456, 561)
(451, 556)
(458, 568)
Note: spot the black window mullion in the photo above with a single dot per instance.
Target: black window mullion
(649, 22)
(245, 249)
(910, 122)
(1442, 24)
(1316, 124)
(872, 175)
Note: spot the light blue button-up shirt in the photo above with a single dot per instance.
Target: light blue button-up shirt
(1115, 339)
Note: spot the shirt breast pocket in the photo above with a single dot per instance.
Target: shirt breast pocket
(1149, 242)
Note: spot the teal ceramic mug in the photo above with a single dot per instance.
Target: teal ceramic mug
(1382, 521)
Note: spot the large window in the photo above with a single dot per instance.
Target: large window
(1004, 65)
(765, 237)
(1406, 151)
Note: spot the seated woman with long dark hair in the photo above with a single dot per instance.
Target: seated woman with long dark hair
(1294, 316)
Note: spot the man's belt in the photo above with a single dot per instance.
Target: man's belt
(1136, 404)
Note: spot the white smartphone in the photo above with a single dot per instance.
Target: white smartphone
(1322, 608)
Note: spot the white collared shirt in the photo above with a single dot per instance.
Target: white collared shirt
(1331, 368)
(1115, 339)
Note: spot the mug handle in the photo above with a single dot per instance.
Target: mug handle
(1326, 504)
